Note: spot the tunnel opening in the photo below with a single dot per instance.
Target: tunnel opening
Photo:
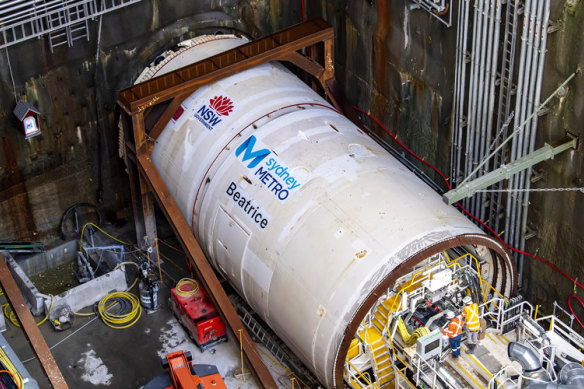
(399, 324)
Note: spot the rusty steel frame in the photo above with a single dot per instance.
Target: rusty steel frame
(156, 100)
(32, 332)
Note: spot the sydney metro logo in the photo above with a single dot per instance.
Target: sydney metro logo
(211, 116)
(273, 173)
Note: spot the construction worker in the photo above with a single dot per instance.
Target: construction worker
(473, 323)
(454, 332)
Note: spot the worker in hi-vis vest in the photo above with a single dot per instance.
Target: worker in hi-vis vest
(454, 332)
(473, 324)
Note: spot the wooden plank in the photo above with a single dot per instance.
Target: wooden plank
(204, 270)
(30, 328)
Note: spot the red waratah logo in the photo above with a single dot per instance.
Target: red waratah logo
(222, 105)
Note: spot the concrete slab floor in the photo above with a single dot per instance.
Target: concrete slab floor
(92, 355)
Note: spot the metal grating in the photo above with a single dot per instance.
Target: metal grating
(21, 20)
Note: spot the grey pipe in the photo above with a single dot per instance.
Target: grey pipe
(509, 211)
(492, 88)
(523, 113)
(526, 357)
(470, 133)
(462, 89)
(517, 122)
(489, 90)
(571, 377)
(455, 146)
(479, 103)
(486, 46)
(524, 144)
(542, 49)
(511, 23)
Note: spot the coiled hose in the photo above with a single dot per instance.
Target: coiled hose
(128, 313)
(187, 287)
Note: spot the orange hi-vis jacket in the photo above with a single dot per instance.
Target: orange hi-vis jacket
(454, 328)
(471, 316)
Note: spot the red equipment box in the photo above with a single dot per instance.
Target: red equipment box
(194, 308)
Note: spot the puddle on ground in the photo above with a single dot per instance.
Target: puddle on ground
(57, 279)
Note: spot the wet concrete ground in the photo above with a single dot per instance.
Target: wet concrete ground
(92, 355)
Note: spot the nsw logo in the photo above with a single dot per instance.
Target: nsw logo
(211, 115)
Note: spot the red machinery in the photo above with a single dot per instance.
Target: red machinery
(193, 307)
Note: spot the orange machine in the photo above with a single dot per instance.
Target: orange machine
(183, 374)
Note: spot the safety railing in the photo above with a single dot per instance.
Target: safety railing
(506, 377)
(354, 377)
(499, 313)
(553, 323)
(428, 374)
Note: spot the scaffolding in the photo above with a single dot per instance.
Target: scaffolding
(63, 21)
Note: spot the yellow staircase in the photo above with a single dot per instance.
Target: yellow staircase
(382, 366)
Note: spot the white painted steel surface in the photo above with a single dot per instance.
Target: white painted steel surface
(308, 220)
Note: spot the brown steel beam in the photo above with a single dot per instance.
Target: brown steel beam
(204, 271)
(165, 117)
(187, 79)
(30, 328)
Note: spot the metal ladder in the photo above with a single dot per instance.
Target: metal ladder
(71, 32)
(505, 95)
(262, 336)
(266, 337)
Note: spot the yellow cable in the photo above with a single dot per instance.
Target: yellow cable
(14, 320)
(13, 377)
(112, 237)
(158, 256)
(10, 366)
(122, 321)
(186, 293)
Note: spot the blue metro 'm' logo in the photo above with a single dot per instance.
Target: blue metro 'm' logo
(247, 146)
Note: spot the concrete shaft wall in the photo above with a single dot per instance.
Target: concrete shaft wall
(395, 62)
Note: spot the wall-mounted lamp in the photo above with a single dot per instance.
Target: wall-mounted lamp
(28, 116)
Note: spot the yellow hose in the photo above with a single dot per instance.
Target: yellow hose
(119, 321)
(408, 338)
(130, 288)
(13, 319)
(187, 292)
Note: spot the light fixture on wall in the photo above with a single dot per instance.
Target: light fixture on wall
(29, 117)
